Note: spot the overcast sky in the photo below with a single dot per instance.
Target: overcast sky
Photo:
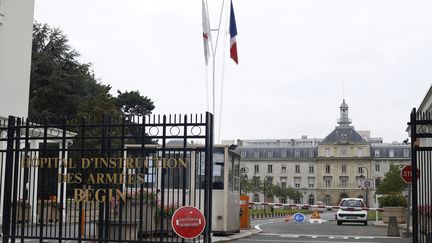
(297, 60)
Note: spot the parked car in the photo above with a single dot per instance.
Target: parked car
(352, 210)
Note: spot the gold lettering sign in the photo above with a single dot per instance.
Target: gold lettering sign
(104, 162)
(98, 178)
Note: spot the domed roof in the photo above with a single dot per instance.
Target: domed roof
(344, 105)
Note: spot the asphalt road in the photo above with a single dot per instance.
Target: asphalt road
(324, 230)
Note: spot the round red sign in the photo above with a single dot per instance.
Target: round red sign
(406, 173)
(188, 222)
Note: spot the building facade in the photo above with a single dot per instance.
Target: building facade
(16, 28)
(346, 163)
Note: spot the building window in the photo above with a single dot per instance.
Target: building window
(282, 200)
(297, 169)
(406, 153)
(256, 168)
(297, 153)
(311, 153)
(256, 154)
(283, 184)
(311, 182)
(283, 169)
(311, 200)
(391, 153)
(377, 182)
(284, 153)
(344, 182)
(311, 169)
(297, 181)
(297, 201)
(344, 169)
(270, 180)
(270, 154)
(327, 182)
(377, 167)
(377, 153)
(360, 152)
(327, 200)
(327, 169)
(327, 152)
(256, 198)
(269, 168)
(360, 170)
(243, 154)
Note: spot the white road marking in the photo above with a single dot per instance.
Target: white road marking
(303, 241)
(258, 226)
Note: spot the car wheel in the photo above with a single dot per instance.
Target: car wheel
(365, 223)
(339, 222)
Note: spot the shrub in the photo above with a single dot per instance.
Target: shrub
(392, 200)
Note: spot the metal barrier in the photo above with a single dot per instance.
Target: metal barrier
(307, 206)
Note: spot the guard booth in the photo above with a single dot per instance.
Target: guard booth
(226, 189)
(225, 185)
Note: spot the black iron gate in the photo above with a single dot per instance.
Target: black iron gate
(421, 144)
(104, 179)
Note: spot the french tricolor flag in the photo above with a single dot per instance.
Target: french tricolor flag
(233, 34)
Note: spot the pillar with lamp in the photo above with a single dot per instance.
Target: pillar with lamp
(366, 183)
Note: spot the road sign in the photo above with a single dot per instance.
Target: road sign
(299, 218)
(188, 222)
(315, 215)
(367, 184)
(406, 173)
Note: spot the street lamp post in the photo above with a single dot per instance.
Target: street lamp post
(367, 188)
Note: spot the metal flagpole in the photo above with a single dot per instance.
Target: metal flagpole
(225, 33)
(214, 47)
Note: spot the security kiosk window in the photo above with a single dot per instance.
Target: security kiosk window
(236, 166)
(218, 170)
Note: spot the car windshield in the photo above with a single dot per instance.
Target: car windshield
(352, 203)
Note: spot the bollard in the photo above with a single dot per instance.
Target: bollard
(393, 229)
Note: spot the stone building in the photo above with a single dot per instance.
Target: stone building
(346, 163)
(16, 28)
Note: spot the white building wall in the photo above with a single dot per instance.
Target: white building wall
(16, 27)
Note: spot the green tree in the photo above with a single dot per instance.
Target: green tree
(392, 181)
(61, 86)
(255, 185)
(133, 103)
(286, 192)
(245, 187)
(268, 189)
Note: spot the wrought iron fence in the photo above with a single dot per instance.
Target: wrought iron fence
(421, 144)
(104, 179)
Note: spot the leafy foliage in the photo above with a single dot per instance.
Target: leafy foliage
(392, 200)
(392, 181)
(132, 103)
(61, 86)
(256, 185)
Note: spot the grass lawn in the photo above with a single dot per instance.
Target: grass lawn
(372, 215)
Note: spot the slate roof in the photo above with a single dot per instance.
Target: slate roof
(344, 135)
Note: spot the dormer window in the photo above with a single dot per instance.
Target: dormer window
(391, 153)
(377, 153)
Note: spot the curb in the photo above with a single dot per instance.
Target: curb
(236, 236)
